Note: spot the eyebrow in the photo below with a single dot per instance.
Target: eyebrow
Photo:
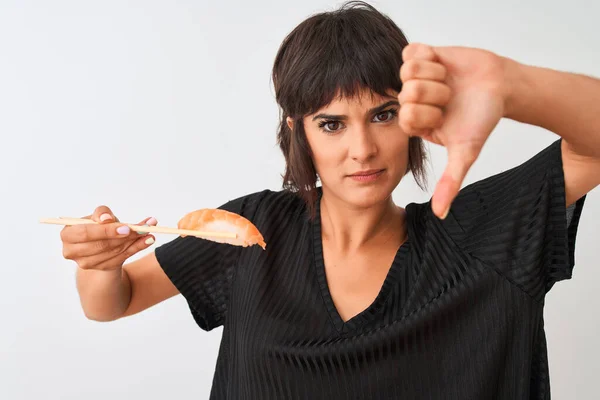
(373, 110)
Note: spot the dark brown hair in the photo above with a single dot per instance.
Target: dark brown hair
(336, 52)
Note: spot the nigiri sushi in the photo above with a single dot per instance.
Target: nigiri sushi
(218, 220)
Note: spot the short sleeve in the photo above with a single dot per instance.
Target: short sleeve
(518, 221)
(203, 270)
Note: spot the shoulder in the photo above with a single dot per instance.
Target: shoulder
(509, 185)
(266, 204)
(501, 200)
(280, 216)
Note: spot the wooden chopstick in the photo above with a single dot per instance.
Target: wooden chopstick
(141, 228)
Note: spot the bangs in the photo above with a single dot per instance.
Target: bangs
(338, 55)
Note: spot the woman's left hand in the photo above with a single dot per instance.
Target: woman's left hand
(453, 97)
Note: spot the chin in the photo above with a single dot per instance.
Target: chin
(366, 196)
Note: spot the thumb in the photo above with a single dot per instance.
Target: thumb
(148, 222)
(459, 162)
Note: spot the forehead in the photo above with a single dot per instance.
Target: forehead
(363, 98)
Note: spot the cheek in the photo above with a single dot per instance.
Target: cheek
(326, 153)
(326, 159)
(395, 148)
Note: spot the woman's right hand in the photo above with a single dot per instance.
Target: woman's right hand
(104, 246)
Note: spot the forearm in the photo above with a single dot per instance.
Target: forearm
(104, 295)
(565, 103)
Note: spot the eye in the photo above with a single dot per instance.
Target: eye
(329, 126)
(388, 115)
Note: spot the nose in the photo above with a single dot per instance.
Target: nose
(362, 147)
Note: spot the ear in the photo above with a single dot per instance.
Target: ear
(290, 123)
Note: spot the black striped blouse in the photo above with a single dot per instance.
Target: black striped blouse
(459, 315)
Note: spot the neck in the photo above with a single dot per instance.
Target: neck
(350, 228)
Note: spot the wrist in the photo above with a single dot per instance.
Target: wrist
(517, 88)
(104, 294)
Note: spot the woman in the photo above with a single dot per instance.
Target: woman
(354, 296)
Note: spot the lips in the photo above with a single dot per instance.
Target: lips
(367, 172)
(367, 176)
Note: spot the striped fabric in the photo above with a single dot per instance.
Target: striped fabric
(459, 316)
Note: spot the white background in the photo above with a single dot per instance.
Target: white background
(156, 108)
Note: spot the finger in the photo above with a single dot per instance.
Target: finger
(138, 245)
(150, 221)
(460, 161)
(425, 92)
(86, 249)
(422, 133)
(117, 260)
(73, 251)
(103, 214)
(418, 51)
(422, 69)
(91, 261)
(417, 118)
(431, 136)
(92, 232)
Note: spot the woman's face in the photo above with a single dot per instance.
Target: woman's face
(359, 150)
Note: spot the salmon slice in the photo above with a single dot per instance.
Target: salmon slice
(217, 220)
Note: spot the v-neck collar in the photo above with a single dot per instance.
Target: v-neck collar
(400, 262)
